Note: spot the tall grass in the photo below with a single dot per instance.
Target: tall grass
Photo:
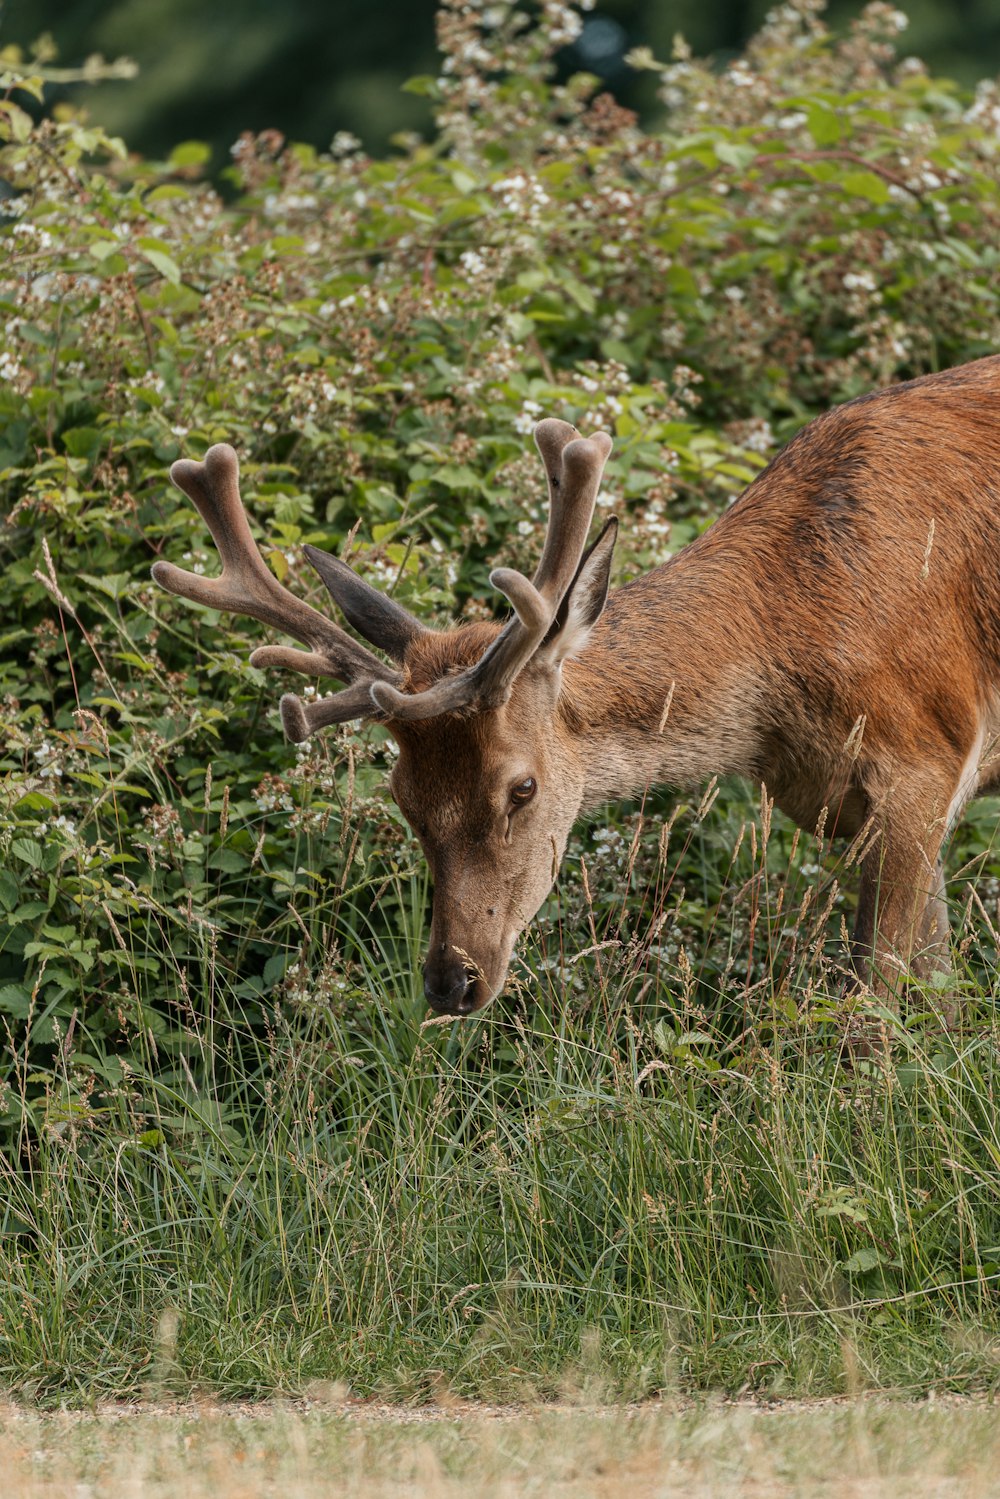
(628, 1177)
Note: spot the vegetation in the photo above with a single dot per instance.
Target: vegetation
(235, 1156)
(311, 69)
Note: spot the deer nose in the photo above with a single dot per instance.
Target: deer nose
(451, 990)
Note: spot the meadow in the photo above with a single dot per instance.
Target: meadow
(237, 1157)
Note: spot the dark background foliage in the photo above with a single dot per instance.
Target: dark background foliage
(311, 67)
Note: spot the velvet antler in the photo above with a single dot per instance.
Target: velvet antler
(574, 466)
(247, 586)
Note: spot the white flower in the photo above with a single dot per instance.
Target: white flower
(760, 438)
(740, 75)
(859, 281)
(344, 143)
(525, 421)
(47, 766)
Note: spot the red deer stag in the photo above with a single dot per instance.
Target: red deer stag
(835, 636)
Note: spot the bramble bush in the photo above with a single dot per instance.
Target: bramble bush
(208, 940)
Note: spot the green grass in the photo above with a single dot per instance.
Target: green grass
(577, 1194)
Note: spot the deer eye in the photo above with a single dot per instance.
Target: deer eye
(523, 792)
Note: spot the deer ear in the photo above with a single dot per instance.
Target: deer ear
(583, 602)
(381, 621)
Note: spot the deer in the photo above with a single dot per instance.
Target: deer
(834, 637)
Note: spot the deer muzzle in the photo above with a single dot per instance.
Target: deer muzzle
(452, 987)
(458, 983)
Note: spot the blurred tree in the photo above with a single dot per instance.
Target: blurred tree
(208, 72)
(312, 67)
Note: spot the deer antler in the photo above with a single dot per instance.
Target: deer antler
(247, 586)
(573, 465)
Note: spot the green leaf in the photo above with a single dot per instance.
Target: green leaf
(581, 295)
(865, 185)
(28, 851)
(161, 261)
(83, 442)
(19, 121)
(103, 249)
(823, 124)
(733, 155)
(274, 968)
(15, 1000)
(190, 154)
(681, 282)
(228, 860)
(35, 801)
(424, 85)
(30, 911)
(861, 1260)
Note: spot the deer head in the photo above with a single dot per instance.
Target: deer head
(489, 775)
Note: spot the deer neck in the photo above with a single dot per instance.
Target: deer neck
(667, 690)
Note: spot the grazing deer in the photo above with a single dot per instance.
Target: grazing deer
(835, 635)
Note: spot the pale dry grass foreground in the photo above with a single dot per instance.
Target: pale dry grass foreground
(865, 1448)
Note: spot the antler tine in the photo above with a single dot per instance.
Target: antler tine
(301, 720)
(574, 466)
(247, 586)
(574, 472)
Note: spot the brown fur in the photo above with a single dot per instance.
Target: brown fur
(437, 655)
(835, 635)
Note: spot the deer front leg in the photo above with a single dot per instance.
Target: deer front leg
(897, 887)
(933, 953)
(901, 922)
(902, 927)
(932, 959)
